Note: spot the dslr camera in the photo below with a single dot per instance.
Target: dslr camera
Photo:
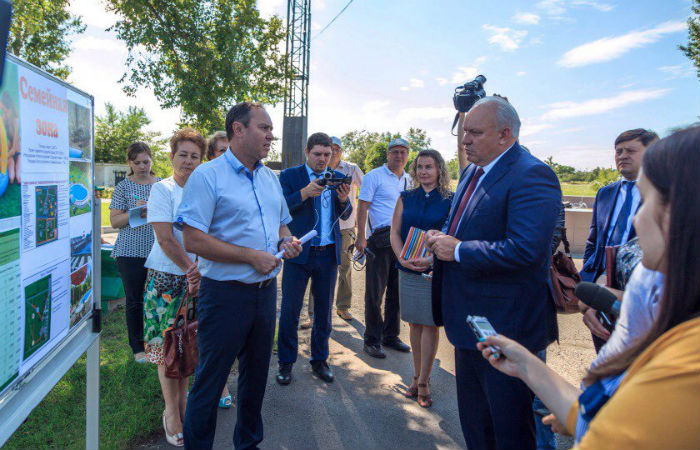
(332, 182)
(465, 96)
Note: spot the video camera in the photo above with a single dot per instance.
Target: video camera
(333, 182)
(466, 95)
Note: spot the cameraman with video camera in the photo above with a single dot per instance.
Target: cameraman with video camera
(317, 199)
(464, 98)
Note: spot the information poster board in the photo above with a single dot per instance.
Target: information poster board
(46, 220)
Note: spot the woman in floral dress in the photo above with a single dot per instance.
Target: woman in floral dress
(171, 272)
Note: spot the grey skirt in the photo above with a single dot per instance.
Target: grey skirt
(415, 298)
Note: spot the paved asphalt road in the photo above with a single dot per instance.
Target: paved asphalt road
(364, 407)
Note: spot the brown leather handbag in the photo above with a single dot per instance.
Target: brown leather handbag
(180, 343)
(565, 277)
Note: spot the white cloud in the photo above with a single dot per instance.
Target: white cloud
(413, 83)
(603, 7)
(315, 25)
(529, 128)
(526, 18)
(677, 71)
(557, 8)
(99, 44)
(464, 74)
(93, 13)
(506, 38)
(441, 81)
(416, 83)
(609, 48)
(567, 110)
(480, 60)
(520, 73)
(269, 8)
(552, 7)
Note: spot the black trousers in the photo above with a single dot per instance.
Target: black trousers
(133, 275)
(252, 311)
(380, 275)
(495, 410)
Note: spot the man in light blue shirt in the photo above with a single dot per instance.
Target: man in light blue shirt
(235, 218)
(315, 205)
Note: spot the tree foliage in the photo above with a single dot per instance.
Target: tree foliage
(116, 130)
(40, 33)
(201, 55)
(367, 149)
(692, 50)
(600, 176)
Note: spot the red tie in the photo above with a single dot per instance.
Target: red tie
(465, 200)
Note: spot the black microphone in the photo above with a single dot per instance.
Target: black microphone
(597, 297)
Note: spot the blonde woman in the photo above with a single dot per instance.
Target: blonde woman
(425, 207)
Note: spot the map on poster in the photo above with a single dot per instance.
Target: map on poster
(46, 251)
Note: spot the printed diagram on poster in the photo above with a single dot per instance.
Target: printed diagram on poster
(80, 180)
(46, 214)
(37, 315)
(80, 277)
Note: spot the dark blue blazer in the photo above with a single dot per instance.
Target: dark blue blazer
(303, 216)
(503, 273)
(594, 255)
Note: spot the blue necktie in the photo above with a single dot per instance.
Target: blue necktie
(315, 242)
(623, 217)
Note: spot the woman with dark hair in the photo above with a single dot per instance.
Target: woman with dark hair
(647, 395)
(425, 208)
(133, 244)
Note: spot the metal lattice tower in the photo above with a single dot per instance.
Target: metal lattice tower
(296, 99)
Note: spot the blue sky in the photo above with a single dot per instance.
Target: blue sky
(579, 72)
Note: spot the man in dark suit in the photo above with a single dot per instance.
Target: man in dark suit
(611, 225)
(492, 260)
(313, 206)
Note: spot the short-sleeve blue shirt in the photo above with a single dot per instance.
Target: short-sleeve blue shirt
(223, 199)
(425, 211)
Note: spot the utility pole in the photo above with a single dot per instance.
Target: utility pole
(296, 99)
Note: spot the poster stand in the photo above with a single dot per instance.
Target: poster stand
(51, 357)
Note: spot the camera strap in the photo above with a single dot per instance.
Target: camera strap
(454, 124)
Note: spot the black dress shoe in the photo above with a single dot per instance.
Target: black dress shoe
(396, 344)
(374, 350)
(321, 369)
(284, 374)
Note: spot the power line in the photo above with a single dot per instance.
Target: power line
(331, 22)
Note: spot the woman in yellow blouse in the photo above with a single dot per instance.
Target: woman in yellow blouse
(648, 396)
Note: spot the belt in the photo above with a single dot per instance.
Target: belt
(320, 248)
(257, 285)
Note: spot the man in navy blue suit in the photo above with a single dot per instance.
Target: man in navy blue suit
(313, 206)
(492, 259)
(611, 225)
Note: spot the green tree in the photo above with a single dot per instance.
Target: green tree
(453, 168)
(116, 130)
(360, 146)
(692, 50)
(201, 55)
(40, 33)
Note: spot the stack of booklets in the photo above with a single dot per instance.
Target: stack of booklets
(415, 245)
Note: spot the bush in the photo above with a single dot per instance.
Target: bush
(105, 192)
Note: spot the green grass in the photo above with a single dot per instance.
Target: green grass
(579, 189)
(130, 401)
